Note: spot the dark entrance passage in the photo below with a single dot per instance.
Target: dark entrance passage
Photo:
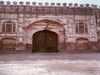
(45, 41)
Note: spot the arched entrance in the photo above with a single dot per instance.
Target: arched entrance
(44, 41)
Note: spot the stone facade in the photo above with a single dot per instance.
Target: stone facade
(77, 27)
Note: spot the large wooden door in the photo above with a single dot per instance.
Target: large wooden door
(44, 41)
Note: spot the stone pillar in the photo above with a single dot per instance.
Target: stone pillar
(20, 41)
(20, 45)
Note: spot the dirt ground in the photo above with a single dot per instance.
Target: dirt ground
(50, 64)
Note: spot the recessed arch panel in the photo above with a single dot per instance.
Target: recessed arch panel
(82, 43)
(8, 43)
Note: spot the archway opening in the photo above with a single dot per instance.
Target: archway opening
(45, 41)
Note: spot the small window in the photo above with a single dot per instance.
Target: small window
(81, 28)
(8, 27)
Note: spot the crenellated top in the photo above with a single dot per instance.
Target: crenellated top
(48, 8)
(48, 4)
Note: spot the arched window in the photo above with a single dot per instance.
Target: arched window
(81, 28)
(8, 27)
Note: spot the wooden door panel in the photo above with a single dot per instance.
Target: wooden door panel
(44, 41)
(38, 41)
(51, 41)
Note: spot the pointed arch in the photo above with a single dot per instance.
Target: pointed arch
(45, 22)
(45, 41)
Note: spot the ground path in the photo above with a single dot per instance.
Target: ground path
(50, 64)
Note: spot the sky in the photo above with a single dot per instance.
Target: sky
(97, 2)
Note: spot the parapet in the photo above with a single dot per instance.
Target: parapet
(76, 5)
